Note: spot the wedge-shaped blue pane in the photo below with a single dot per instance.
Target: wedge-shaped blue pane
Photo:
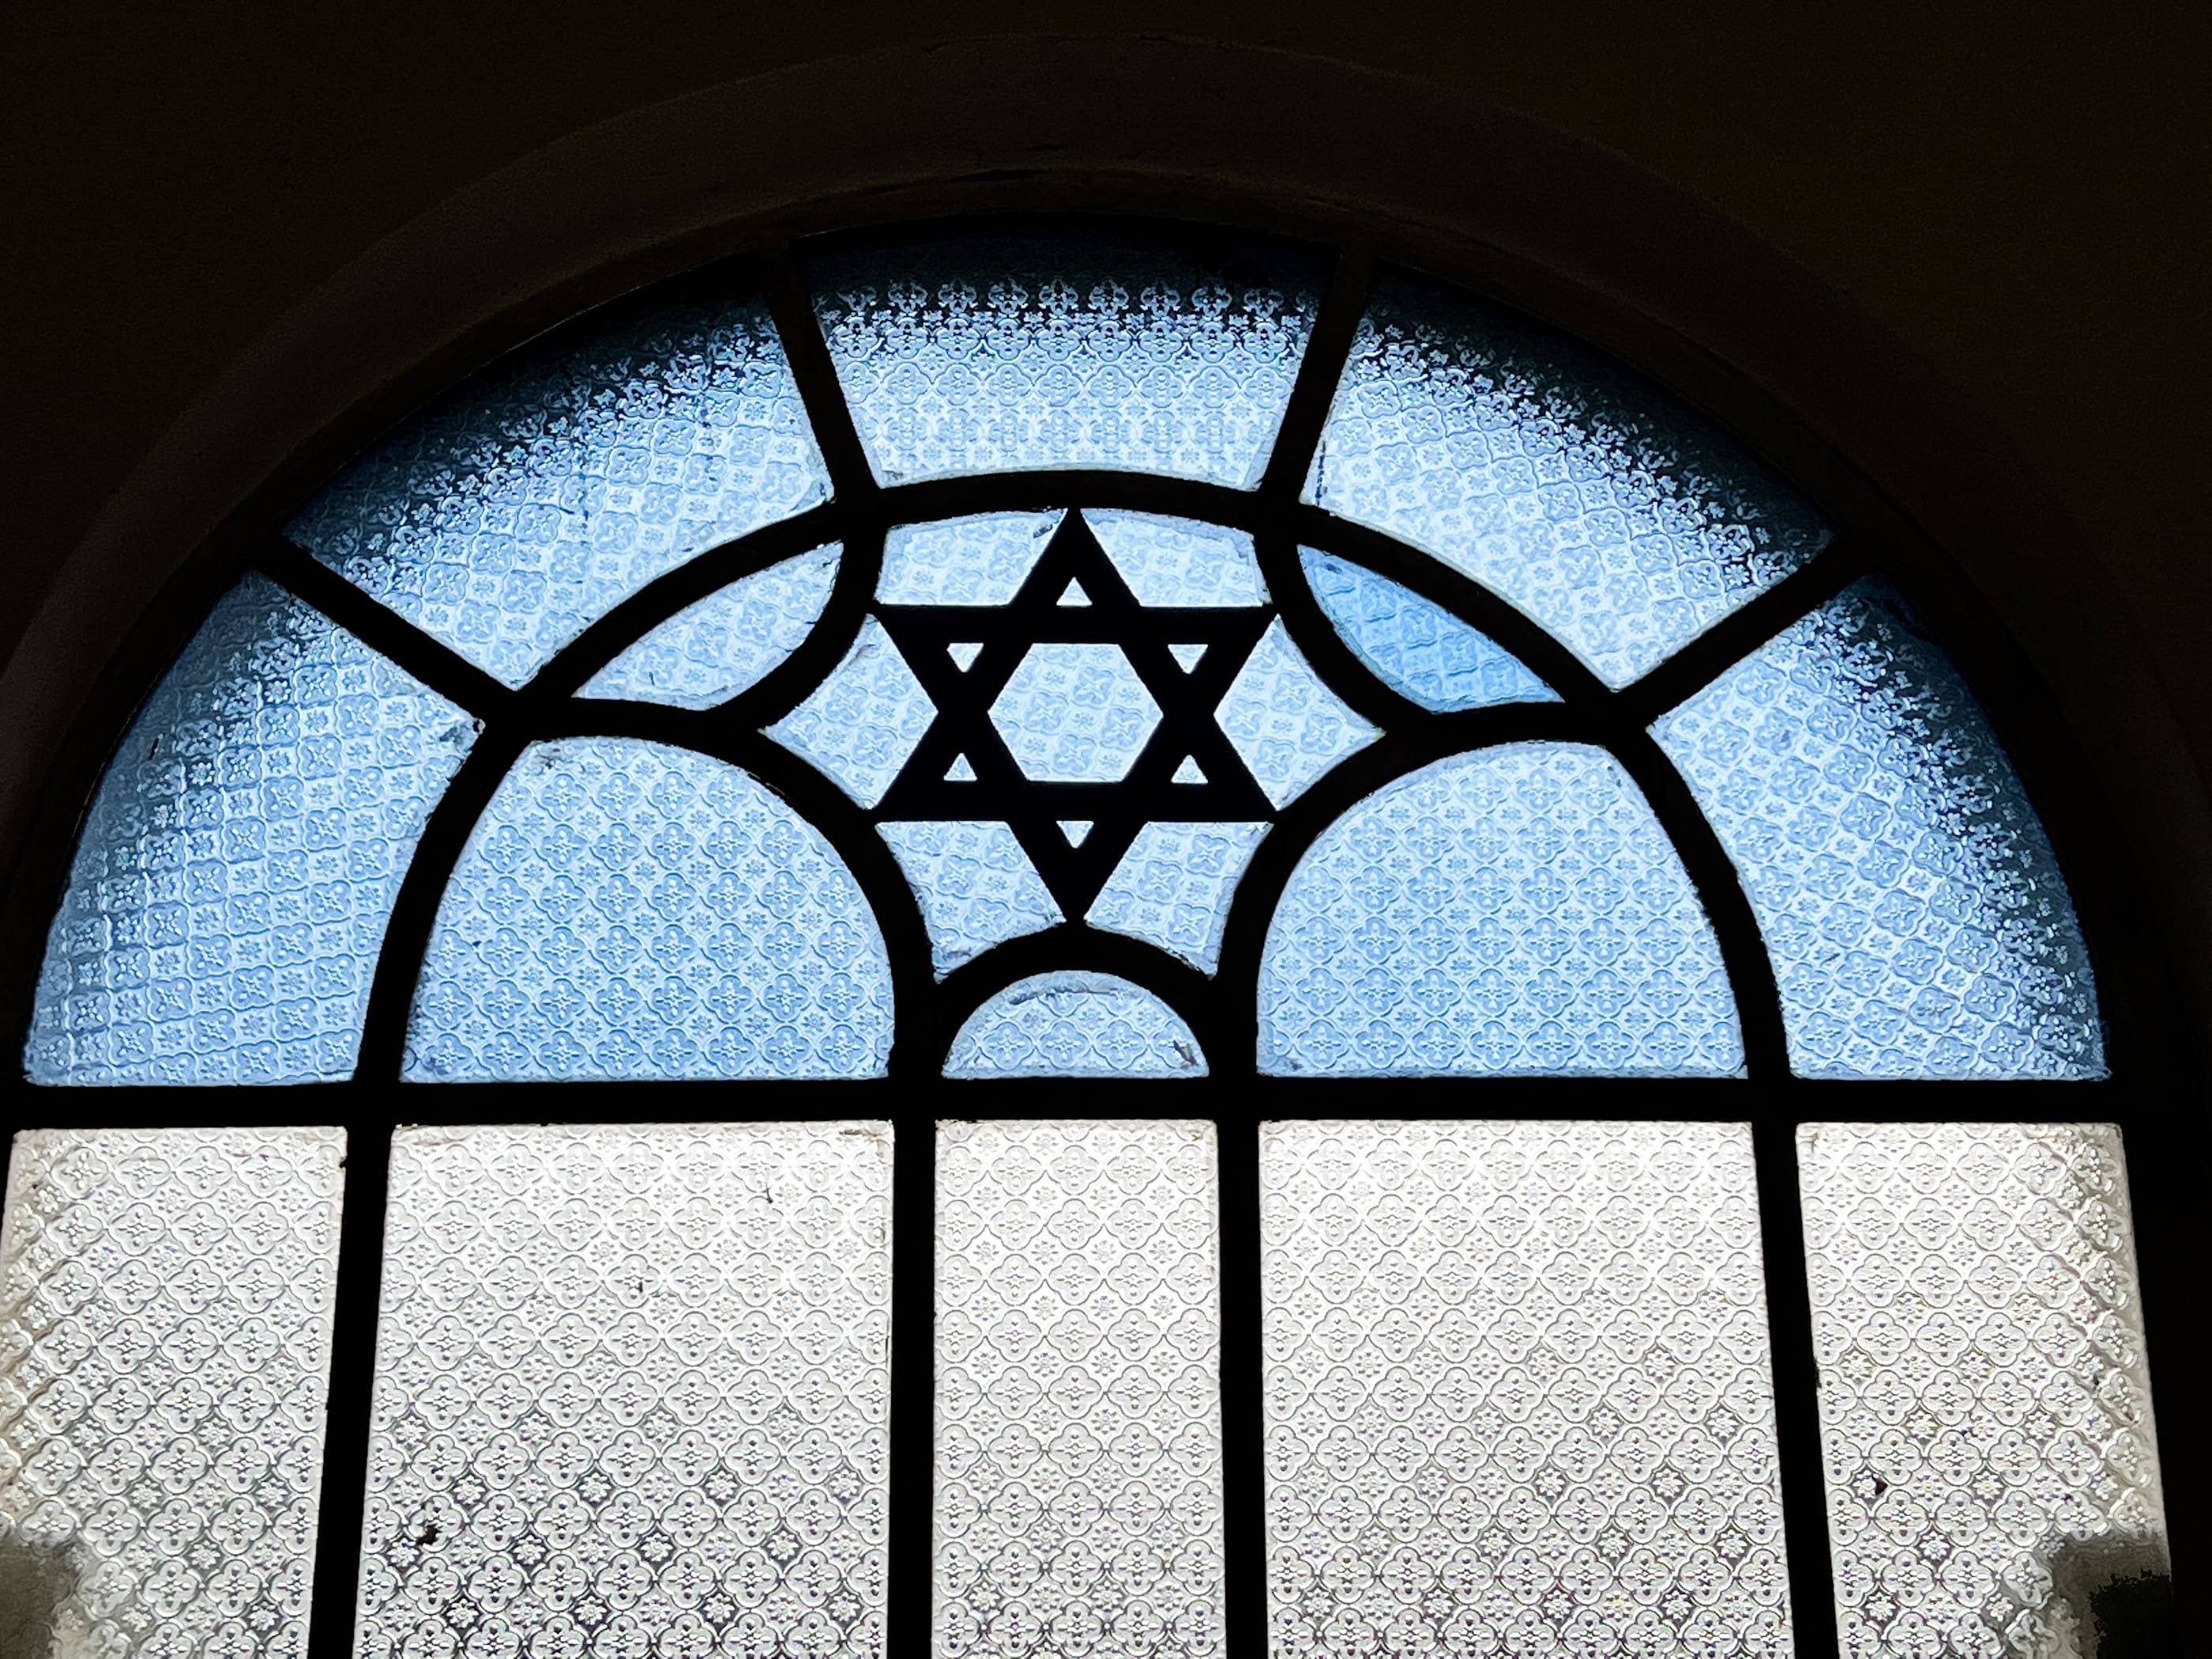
(982, 559)
(1179, 562)
(1288, 726)
(623, 909)
(1418, 648)
(708, 652)
(232, 879)
(1173, 887)
(1915, 911)
(975, 884)
(520, 509)
(1105, 350)
(1514, 911)
(861, 724)
(1075, 1024)
(1616, 517)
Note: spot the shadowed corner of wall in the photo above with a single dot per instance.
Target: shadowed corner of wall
(2120, 1589)
(39, 1618)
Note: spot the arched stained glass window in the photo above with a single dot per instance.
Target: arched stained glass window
(1101, 655)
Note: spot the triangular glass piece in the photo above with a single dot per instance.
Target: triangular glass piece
(1075, 829)
(964, 653)
(1074, 595)
(1187, 655)
(960, 772)
(1188, 772)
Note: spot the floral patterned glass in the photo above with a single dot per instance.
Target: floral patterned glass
(1075, 1024)
(1078, 1391)
(632, 1393)
(165, 1352)
(976, 886)
(1173, 887)
(710, 651)
(1418, 649)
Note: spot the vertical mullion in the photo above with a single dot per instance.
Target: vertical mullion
(1243, 1427)
(352, 1390)
(909, 1611)
(1797, 1386)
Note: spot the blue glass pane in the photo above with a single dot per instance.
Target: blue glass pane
(1618, 518)
(232, 879)
(515, 512)
(1075, 714)
(1517, 910)
(977, 561)
(1177, 562)
(987, 354)
(628, 910)
(1915, 913)
(1288, 726)
(862, 722)
(708, 652)
(1173, 886)
(976, 886)
(1075, 1024)
(1418, 648)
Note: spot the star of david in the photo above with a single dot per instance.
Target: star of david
(1075, 831)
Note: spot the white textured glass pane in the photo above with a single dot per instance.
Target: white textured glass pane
(628, 910)
(1075, 714)
(232, 881)
(1915, 912)
(1177, 562)
(1517, 1393)
(632, 1394)
(989, 354)
(1517, 910)
(1614, 515)
(1078, 1391)
(863, 721)
(707, 652)
(1075, 1024)
(1288, 726)
(1985, 1398)
(1173, 886)
(1418, 648)
(978, 561)
(976, 885)
(516, 512)
(165, 1352)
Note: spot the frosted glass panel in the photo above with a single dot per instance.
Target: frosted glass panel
(1288, 726)
(1985, 1398)
(1611, 515)
(977, 561)
(1078, 1391)
(861, 723)
(1916, 915)
(1075, 1024)
(514, 513)
(165, 1352)
(1418, 649)
(1173, 887)
(1178, 562)
(976, 885)
(628, 910)
(1517, 1395)
(1075, 714)
(710, 651)
(632, 1393)
(989, 354)
(233, 879)
(1515, 910)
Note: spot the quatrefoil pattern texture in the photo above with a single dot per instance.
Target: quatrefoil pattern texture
(632, 1397)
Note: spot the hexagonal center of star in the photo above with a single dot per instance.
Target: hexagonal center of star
(1075, 714)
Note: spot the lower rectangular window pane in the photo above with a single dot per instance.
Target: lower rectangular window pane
(632, 1394)
(1517, 1391)
(1984, 1405)
(164, 1364)
(1078, 1409)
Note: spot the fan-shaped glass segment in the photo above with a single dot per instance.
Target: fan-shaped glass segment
(1075, 1024)
(514, 512)
(1517, 910)
(983, 559)
(1173, 887)
(1909, 898)
(1417, 648)
(232, 880)
(628, 910)
(1102, 350)
(1619, 519)
(976, 885)
(707, 652)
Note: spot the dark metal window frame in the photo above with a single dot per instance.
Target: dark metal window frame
(1221, 1010)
